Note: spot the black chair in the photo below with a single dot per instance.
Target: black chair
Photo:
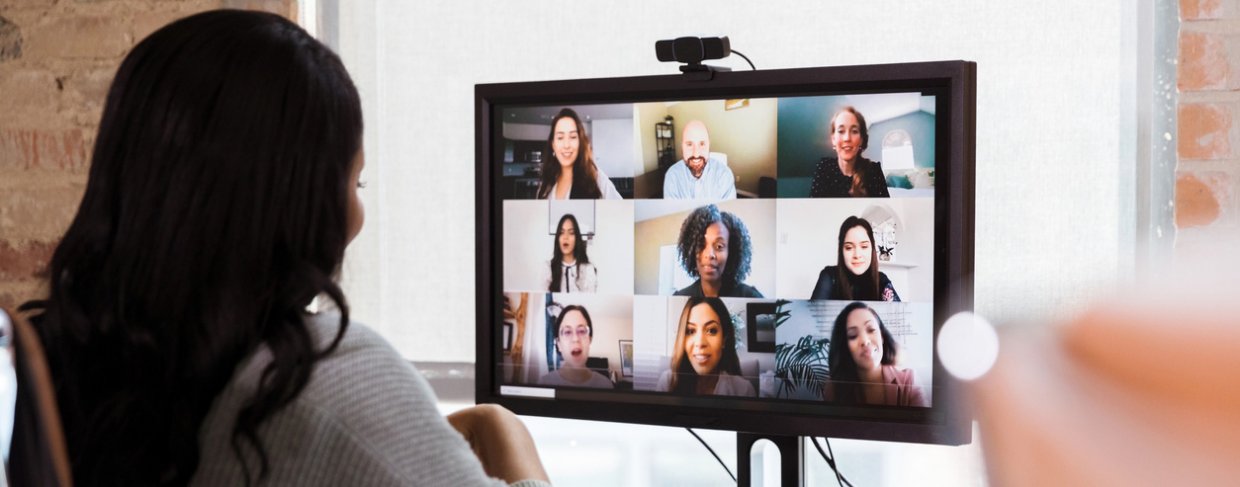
(37, 455)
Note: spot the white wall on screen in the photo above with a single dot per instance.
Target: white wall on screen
(612, 141)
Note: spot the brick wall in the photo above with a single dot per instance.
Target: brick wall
(57, 59)
(1207, 187)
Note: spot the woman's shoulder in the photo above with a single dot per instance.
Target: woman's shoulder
(742, 290)
(692, 290)
(731, 385)
(665, 381)
(900, 376)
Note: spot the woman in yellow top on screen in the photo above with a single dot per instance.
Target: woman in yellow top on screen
(704, 360)
(849, 174)
(862, 357)
(571, 172)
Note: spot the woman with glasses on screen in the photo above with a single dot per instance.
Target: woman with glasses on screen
(714, 247)
(222, 194)
(571, 172)
(848, 174)
(855, 275)
(862, 358)
(570, 270)
(574, 331)
(704, 360)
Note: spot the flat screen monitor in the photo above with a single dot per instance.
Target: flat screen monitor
(769, 252)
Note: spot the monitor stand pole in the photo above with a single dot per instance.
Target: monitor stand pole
(750, 469)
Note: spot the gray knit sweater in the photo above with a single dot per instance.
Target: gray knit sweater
(366, 417)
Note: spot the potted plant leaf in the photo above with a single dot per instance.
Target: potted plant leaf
(800, 367)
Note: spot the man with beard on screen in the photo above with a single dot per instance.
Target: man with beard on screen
(697, 175)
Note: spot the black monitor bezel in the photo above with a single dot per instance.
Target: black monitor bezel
(947, 422)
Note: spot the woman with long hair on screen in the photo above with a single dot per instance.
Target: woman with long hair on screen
(862, 360)
(571, 172)
(714, 247)
(704, 360)
(574, 330)
(222, 194)
(855, 275)
(848, 174)
(570, 270)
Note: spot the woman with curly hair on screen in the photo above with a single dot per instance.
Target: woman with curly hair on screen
(714, 247)
(223, 190)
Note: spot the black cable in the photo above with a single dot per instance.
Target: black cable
(712, 452)
(839, 477)
(738, 53)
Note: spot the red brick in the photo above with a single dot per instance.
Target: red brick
(24, 260)
(38, 213)
(1196, 203)
(1204, 131)
(287, 8)
(27, 149)
(28, 93)
(1200, 9)
(14, 293)
(78, 36)
(88, 87)
(146, 23)
(1203, 62)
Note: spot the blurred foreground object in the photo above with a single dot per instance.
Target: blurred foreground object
(1127, 394)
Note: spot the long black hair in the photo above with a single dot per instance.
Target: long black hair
(585, 171)
(848, 286)
(557, 257)
(684, 378)
(845, 379)
(215, 211)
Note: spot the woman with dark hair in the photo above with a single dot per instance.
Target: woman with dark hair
(849, 174)
(704, 360)
(222, 194)
(862, 358)
(571, 172)
(855, 275)
(573, 332)
(714, 247)
(569, 269)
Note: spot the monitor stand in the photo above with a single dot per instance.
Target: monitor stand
(750, 464)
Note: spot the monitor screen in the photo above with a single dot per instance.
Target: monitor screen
(769, 251)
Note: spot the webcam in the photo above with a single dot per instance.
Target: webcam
(691, 51)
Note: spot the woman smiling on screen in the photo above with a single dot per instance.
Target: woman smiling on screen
(704, 360)
(571, 172)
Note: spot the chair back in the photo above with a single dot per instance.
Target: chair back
(38, 455)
